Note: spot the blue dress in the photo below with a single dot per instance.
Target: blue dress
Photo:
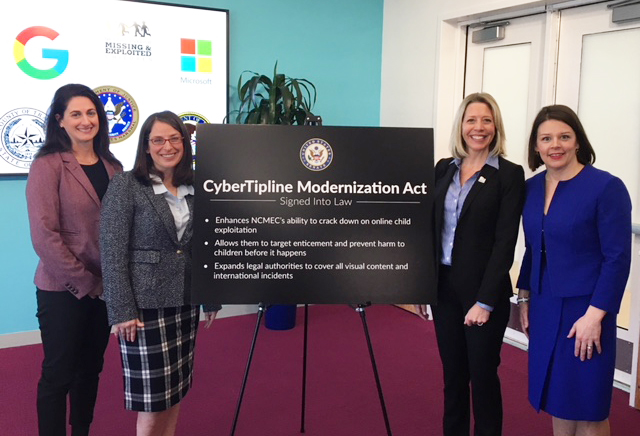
(592, 203)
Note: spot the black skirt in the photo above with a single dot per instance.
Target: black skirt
(158, 365)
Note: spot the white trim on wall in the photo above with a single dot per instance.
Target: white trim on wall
(33, 337)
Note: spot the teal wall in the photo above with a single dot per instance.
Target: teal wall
(17, 260)
(336, 44)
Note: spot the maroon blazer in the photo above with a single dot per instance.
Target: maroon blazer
(64, 216)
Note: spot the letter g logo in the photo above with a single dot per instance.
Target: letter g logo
(62, 56)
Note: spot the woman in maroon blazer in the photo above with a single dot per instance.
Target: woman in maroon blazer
(66, 183)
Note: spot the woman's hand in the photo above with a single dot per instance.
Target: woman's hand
(587, 331)
(97, 291)
(421, 311)
(524, 317)
(127, 330)
(476, 316)
(209, 317)
(524, 311)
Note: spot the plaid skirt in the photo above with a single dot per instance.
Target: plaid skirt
(158, 365)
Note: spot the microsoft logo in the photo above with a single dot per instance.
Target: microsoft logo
(196, 55)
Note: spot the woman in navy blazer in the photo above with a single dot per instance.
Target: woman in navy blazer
(577, 223)
(478, 202)
(66, 183)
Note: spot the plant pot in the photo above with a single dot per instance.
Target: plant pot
(280, 317)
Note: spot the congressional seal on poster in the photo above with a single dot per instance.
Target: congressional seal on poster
(313, 214)
(316, 154)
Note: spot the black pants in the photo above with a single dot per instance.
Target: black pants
(470, 359)
(75, 334)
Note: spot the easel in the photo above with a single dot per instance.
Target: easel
(360, 309)
(312, 120)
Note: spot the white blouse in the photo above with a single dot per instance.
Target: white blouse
(177, 204)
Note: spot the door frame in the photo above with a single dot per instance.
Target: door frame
(450, 76)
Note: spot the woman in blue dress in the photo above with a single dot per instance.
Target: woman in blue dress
(577, 225)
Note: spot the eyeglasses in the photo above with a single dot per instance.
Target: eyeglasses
(174, 140)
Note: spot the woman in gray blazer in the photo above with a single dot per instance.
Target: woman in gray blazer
(145, 241)
(66, 183)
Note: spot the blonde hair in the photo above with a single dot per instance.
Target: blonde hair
(457, 147)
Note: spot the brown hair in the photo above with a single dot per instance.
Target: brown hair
(143, 166)
(585, 153)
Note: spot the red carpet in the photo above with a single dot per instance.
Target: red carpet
(341, 393)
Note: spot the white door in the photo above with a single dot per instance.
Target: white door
(599, 77)
(575, 57)
(511, 70)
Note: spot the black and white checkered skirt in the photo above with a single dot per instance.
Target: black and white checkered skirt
(158, 365)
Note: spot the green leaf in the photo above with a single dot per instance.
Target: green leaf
(276, 100)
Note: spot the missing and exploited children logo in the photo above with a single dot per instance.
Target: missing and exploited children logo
(22, 135)
(130, 39)
(60, 56)
(122, 112)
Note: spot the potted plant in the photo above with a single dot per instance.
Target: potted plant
(276, 100)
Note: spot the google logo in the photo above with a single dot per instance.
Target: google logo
(62, 56)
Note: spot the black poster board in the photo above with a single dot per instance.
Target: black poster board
(310, 214)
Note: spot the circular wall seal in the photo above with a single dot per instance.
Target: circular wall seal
(191, 120)
(316, 154)
(122, 112)
(22, 135)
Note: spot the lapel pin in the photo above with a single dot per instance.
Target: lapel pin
(481, 179)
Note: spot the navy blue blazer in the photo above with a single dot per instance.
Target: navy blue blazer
(587, 237)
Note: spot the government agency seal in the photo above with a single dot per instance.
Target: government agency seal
(191, 120)
(122, 112)
(22, 135)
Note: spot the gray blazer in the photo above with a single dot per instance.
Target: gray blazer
(144, 266)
